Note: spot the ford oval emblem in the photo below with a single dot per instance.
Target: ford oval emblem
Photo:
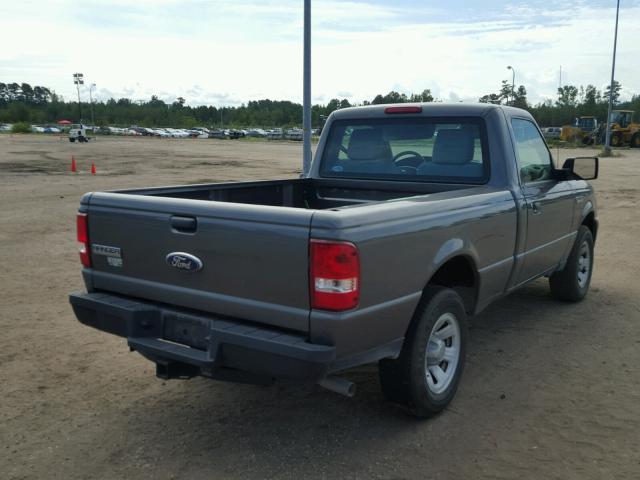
(184, 261)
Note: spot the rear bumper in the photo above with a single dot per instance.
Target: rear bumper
(183, 343)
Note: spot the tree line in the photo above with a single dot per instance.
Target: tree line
(571, 102)
(20, 102)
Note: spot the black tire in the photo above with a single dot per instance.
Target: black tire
(616, 139)
(405, 380)
(566, 285)
(72, 140)
(635, 140)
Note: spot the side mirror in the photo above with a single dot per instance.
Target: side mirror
(585, 168)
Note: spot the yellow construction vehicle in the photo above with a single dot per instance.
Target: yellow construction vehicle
(581, 131)
(623, 130)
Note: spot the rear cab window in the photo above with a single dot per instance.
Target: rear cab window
(451, 150)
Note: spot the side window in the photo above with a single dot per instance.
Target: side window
(534, 160)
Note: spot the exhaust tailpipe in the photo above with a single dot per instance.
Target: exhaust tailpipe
(339, 385)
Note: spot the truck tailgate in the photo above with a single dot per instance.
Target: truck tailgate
(254, 258)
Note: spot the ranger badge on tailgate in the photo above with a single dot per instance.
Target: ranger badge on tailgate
(113, 254)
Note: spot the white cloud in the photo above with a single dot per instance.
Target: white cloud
(231, 52)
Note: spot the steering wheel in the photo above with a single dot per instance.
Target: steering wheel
(409, 164)
(535, 172)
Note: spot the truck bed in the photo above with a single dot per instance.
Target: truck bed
(310, 194)
(251, 237)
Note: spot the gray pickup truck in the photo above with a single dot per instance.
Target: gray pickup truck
(412, 219)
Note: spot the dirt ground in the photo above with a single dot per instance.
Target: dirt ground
(550, 390)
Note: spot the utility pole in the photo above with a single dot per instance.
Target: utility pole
(78, 79)
(91, 87)
(306, 94)
(513, 84)
(560, 79)
(607, 141)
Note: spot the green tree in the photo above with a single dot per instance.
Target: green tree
(20, 127)
(13, 90)
(27, 92)
(506, 91)
(491, 98)
(427, 96)
(567, 96)
(616, 92)
(592, 96)
(4, 93)
(520, 98)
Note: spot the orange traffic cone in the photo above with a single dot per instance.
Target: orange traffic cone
(93, 168)
(73, 164)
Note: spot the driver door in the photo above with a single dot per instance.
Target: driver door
(549, 203)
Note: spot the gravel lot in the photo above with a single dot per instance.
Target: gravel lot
(550, 391)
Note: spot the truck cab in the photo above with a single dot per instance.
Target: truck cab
(78, 132)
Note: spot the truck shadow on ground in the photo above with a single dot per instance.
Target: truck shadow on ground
(293, 426)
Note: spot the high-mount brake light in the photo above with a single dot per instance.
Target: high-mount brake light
(396, 110)
(82, 224)
(334, 275)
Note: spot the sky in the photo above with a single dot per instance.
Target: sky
(227, 52)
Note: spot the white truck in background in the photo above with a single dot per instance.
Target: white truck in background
(78, 132)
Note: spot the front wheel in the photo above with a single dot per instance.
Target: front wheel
(571, 284)
(616, 139)
(635, 140)
(426, 375)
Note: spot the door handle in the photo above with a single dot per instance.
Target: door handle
(536, 208)
(184, 224)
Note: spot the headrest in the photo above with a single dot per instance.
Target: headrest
(454, 147)
(368, 145)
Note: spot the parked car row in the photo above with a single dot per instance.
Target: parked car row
(46, 129)
(155, 132)
(195, 132)
(272, 134)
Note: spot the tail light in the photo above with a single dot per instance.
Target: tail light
(335, 275)
(83, 239)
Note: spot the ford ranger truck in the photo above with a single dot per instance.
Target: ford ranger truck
(411, 220)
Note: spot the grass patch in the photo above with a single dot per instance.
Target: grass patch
(21, 127)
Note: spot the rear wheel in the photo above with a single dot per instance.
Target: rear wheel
(72, 140)
(635, 140)
(426, 375)
(571, 284)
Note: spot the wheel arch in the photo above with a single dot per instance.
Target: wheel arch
(589, 221)
(458, 272)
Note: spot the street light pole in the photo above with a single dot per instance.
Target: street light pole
(91, 87)
(607, 141)
(513, 84)
(306, 94)
(78, 79)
